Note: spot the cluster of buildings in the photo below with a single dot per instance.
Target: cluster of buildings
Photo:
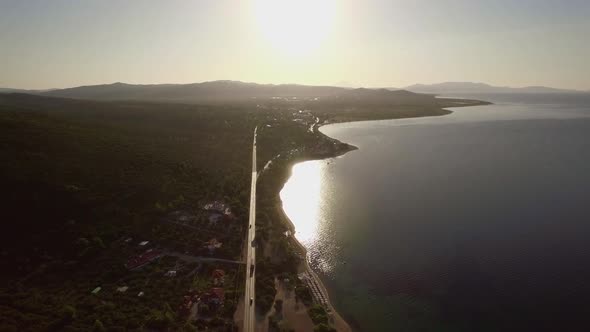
(213, 299)
(303, 116)
(219, 207)
(218, 211)
(213, 212)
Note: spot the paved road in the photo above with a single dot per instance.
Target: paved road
(249, 308)
(198, 259)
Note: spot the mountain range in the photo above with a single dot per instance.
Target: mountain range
(235, 90)
(10, 90)
(447, 88)
(215, 91)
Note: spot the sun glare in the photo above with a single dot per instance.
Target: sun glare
(295, 27)
(302, 198)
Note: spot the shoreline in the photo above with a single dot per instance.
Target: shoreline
(339, 322)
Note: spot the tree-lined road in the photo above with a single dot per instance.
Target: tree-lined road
(249, 294)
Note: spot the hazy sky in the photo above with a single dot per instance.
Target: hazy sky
(63, 43)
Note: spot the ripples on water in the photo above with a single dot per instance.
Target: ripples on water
(302, 201)
(474, 221)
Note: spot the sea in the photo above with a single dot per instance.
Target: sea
(474, 221)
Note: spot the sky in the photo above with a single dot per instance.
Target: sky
(371, 43)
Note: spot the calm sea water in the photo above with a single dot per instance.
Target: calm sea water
(475, 221)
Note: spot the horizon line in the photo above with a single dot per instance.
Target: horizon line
(336, 85)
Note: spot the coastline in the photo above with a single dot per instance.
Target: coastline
(338, 321)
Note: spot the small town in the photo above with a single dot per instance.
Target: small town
(210, 278)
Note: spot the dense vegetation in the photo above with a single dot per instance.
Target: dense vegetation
(81, 177)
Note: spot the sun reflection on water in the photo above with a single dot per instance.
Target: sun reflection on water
(301, 198)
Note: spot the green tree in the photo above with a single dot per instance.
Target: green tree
(98, 326)
(189, 327)
(323, 327)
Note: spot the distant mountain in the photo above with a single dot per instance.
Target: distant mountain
(219, 91)
(447, 88)
(235, 90)
(207, 91)
(382, 96)
(222, 91)
(9, 90)
(345, 84)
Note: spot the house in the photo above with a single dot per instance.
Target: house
(185, 308)
(218, 273)
(143, 243)
(171, 273)
(122, 289)
(138, 261)
(218, 277)
(218, 206)
(213, 244)
(216, 296)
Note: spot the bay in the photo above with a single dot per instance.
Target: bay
(474, 221)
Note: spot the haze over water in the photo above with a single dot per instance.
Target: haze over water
(474, 221)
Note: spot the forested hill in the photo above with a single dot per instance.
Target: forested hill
(81, 176)
(115, 157)
(223, 91)
(207, 91)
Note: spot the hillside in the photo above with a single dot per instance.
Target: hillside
(88, 181)
(231, 91)
(196, 92)
(10, 90)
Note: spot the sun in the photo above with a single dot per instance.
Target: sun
(295, 27)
